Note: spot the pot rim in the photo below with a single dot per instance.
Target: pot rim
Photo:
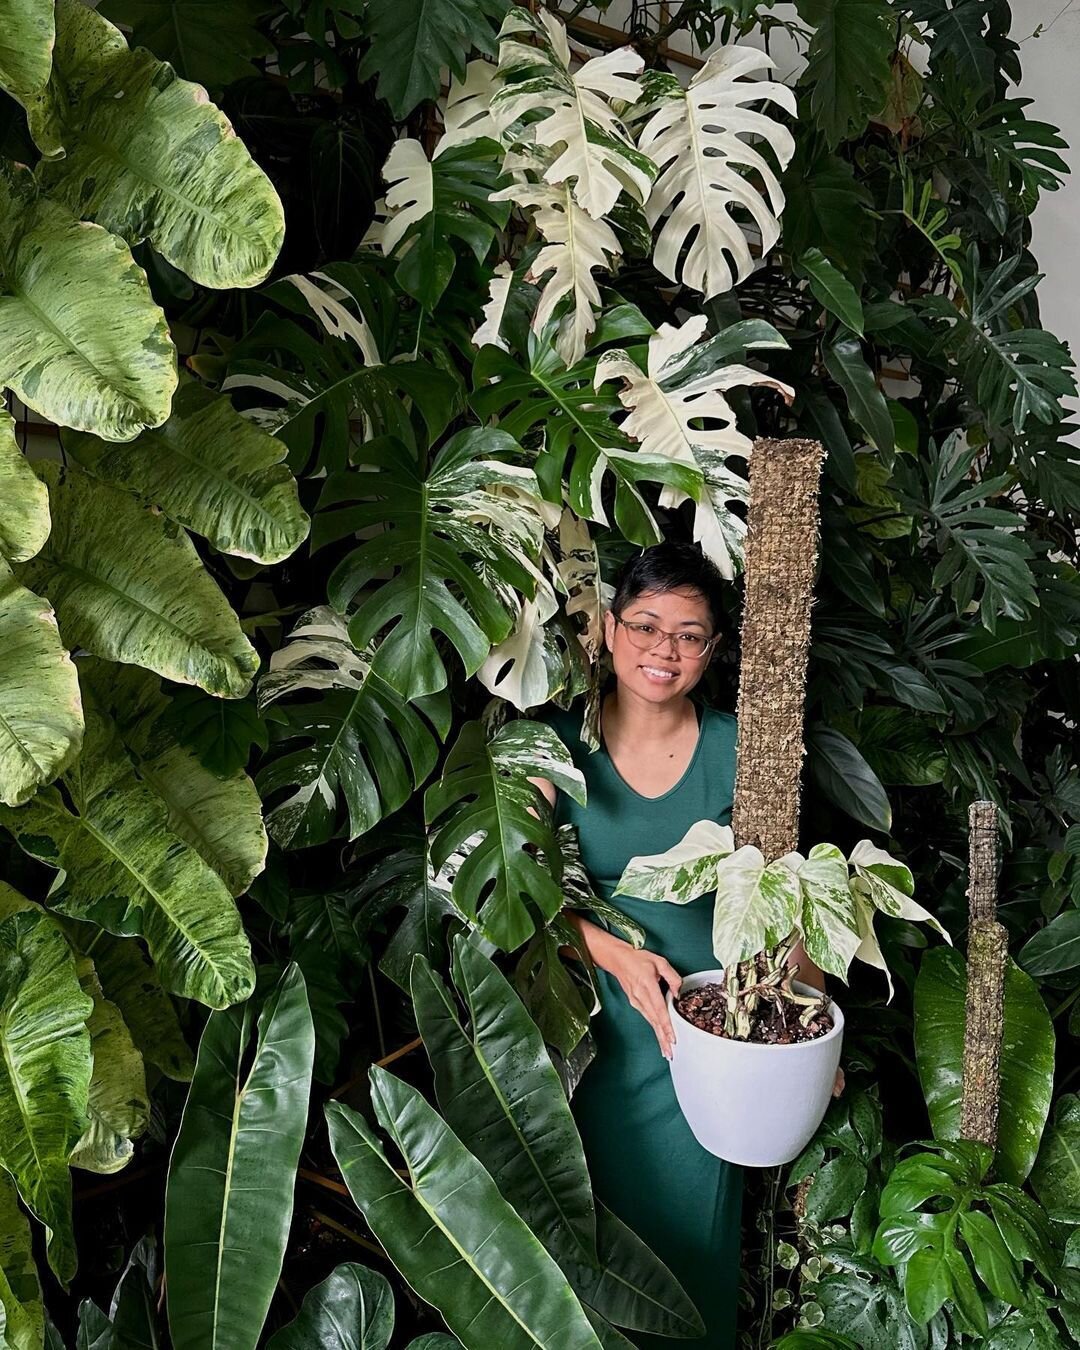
(709, 976)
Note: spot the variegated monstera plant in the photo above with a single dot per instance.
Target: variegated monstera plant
(763, 909)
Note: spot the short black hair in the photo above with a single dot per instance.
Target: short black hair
(671, 567)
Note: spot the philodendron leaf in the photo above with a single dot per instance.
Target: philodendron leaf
(22, 1316)
(883, 885)
(828, 919)
(209, 469)
(757, 904)
(27, 32)
(229, 1201)
(484, 807)
(125, 870)
(106, 368)
(1056, 1174)
(149, 157)
(1027, 1058)
(832, 289)
(24, 499)
(41, 716)
(682, 873)
(352, 1309)
(44, 1072)
(129, 586)
(438, 1226)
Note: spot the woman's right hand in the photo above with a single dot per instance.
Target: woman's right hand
(639, 973)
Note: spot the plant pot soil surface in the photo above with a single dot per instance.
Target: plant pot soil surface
(772, 1023)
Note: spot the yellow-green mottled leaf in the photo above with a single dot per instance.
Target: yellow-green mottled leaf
(26, 43)
(20, 1290)
(24, 499)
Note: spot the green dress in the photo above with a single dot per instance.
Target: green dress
(645, 1163)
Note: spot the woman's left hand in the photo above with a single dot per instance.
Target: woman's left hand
(838, 1083)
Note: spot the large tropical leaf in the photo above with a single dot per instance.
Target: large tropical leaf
(210, 469)
(22, 1315)
(107, 369)
(412, 41)
(706, 141)
(24, 500)
(352, 1309)
(229, 1201)
(124, 869)
(1056, 1174)
(546, 398)
(1027, 1058)
(683, 872)
(848, 62)
(128, 586)
(27, 31)
(357, 741)
(484, 807)
(41, 718)
(437, 1227)
(439, 525)
(149, 157)
(201, 39)
(828, 916)
(44, 1072)
(118, 1108)
(684, 383)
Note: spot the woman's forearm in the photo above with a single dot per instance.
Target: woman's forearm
(598, 942)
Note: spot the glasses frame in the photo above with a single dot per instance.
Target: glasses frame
(710, 642)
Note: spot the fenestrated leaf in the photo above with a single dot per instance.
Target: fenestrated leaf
(149, 157)
(129, 586)
(44, 1072)
(685, 871)
(118, 1108)
(22, 1316)
(27, 32)
(210, 469)
(540, 660)
(203, 40)
(706, 141)
(847, 62)
(357, 742)
(229, 1202)
(109, 369)
(437, 1227)
(41, 717)
(757, 904)
(124, 869)
(437, 525)
(1027, 1058)
(484, 807)
(24, 500)
(352, 1309)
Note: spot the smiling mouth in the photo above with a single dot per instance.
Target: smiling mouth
(659, 673)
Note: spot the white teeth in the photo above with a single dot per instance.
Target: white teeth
(663, 674)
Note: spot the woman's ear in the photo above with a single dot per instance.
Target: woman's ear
(609, 629)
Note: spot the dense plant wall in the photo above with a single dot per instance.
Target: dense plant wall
(360, 408)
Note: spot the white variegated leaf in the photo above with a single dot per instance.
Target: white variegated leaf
(704, 141)
(684, 872)
(578, 890)
(467, 116)
(410, 193)
(579, 572)
(828, 921)
(887, 885)
(330, 304)
(869, 950)
(756, 905)
(490, 331)
(527, 668)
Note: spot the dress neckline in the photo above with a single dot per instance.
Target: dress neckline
(701, 712)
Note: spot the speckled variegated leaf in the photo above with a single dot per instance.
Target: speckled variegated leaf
(210, 469)
(24, 499)
(128, 585)
(682, 873)
(756, 905)
(828, 921)
(26, 42)
(44, 1072)
(20, 1289)
(109, 368)
(148, 156)
(888, 885)
(118, 1108)
(41, 718)
(578, 891)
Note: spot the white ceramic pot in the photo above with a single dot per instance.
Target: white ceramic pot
(758, 1105)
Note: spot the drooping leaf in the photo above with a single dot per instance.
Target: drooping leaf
(27, 32)
(41, 717)
(149, 157)
(1027, 1058)
(22, 1316)
(229, 1202)
(211, 470)
(106, 369)
(352, 1309)
(832, 289)
(541, 660)
(848, 67)
(845, 777)
(484, 807)
(44, 1072)
(202, 40)
(437, 1227)
(358, 741)
(828, 920)
(24, 500)
(129, 587)
(866, 402)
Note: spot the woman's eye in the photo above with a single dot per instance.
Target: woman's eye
(691, 639)
(645, 628)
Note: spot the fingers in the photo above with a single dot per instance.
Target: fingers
(670, 974)
(838, 1083)
(656, 1011)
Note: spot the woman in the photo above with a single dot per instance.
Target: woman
(664, 762)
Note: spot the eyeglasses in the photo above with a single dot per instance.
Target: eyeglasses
(646, 637)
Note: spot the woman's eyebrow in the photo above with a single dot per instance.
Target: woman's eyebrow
(651, 614)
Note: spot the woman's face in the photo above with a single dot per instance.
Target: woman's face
(664, 672)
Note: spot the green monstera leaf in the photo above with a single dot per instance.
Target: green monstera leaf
(209, 469)
(27, 32)
(485, 808)
(22, 1314)
(457, 536)
(149, 157)
(24, 499)
(106, 368)
(44, 1071)
(41, 718)
(129, 587)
